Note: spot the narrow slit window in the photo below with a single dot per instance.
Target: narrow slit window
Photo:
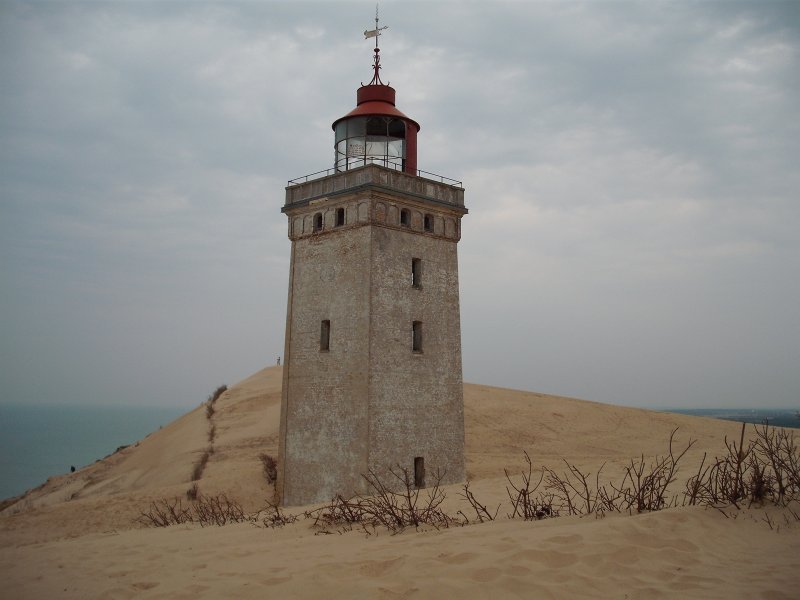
(416, 272)
(325, 336)
(339, 217)
(428, 223)
(405, 218)
(419, 472)
(416, 336)
(318, 222)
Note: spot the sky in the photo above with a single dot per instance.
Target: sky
(632, 174)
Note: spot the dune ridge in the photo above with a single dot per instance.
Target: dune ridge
(76, 536)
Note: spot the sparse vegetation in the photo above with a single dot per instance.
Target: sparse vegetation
(272, 516)
(205, 510)
(163, 513)
(393, 505)
(200, 465)
(270, 466)
(481, 512)
(525, 502)
(217, 510)
(765, 469)
(192, 492)
(212, 400)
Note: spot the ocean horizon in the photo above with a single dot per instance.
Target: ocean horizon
(775, 417)
(41, 441)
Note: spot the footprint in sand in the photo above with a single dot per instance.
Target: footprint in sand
(485, 575)
(144, 585)
(456, 559)
(565, 539)
(118, 574)
(274, 580)
(550, 558)
(376, 568)
(517, 570)
(403, 593)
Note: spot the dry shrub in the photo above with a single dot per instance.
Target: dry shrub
(394, 505)
(217, 393)
(272, 516)
(200, 465)
(398, 506)
(481, 512)
(165, 512)
(646, 489)
(192, 492)
(270, 467)
(212, 399)
(767, 468)
(206, 510)
(526, 501)
(339, 512)
(218, 510)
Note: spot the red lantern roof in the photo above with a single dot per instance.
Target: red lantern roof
(376, 100)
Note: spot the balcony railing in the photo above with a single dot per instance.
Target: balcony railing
(333, 171)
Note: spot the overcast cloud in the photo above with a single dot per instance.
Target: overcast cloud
(631, 171)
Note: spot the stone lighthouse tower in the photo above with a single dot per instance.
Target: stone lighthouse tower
(372, 373)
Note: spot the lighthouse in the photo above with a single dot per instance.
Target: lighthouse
(372, 377)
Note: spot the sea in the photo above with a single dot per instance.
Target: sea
(777, 417)
(37, 442)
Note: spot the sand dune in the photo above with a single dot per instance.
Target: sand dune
(76, 536)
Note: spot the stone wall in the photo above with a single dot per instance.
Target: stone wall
(416, 398)
(375, 177)
(370, 401)
(324, 433)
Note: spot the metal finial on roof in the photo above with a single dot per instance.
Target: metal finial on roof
(376, 78)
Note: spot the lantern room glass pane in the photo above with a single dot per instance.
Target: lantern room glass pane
(369, 140)
(397, 128)
(395, 149)
(356, 126)
(377, 126)
(376, 148)
(355, 146)
(341, 131)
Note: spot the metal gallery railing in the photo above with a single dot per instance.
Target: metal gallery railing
(333, 170)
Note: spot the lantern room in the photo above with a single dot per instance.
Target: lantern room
(375, 131)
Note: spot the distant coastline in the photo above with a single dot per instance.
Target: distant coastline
(778, 417)
(40, 441)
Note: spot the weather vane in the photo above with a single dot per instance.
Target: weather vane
(369, 33)
(377, 31)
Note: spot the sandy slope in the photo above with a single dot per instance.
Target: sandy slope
(76, 537)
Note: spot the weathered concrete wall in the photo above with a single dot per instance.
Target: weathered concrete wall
(370, 402)
(324, 422)
(375, 177)
(416, 399)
